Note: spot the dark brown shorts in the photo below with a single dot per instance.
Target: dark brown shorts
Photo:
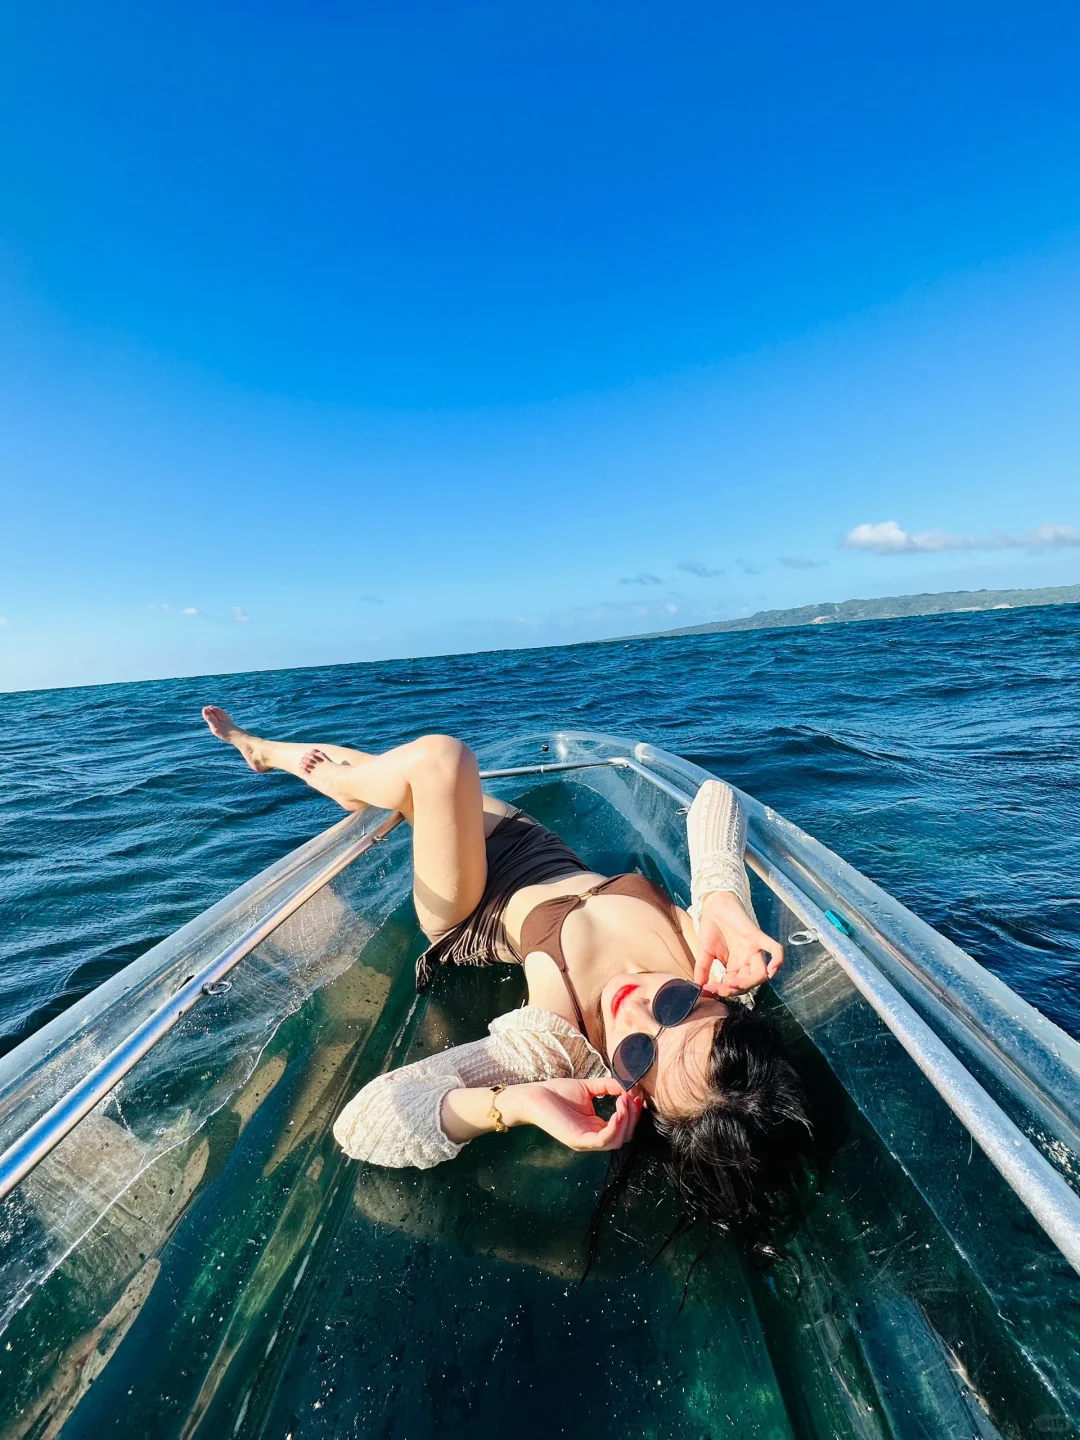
(520, 852)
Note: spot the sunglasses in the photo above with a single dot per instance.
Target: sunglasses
(636, 1055)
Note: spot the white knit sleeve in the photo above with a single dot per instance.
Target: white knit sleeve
(716, 834)
(396, 1119)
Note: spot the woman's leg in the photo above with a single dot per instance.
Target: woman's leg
(264, 755)
(434, 782)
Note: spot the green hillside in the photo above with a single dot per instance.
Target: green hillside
(892, 607)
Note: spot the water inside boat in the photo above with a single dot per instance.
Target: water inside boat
(193, 1256)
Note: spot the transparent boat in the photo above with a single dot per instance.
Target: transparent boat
(185, 1252)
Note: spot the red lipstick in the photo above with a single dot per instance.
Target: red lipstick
(619, 996)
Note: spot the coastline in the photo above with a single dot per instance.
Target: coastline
(891, 607)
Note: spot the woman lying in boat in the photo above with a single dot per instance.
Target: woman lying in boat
(628, 995)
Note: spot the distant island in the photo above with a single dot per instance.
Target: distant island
(892, 607)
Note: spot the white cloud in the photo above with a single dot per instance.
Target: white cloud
(177, 609)
(1051, 537)
(642, 578)
(800, 562)
(3, 621)
(699, 568)
(240, 615)
(889, 538)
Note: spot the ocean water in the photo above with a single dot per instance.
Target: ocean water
(940, 755)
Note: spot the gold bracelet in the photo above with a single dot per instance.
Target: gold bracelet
(493, 1115)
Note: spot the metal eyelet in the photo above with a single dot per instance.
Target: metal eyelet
(217, 987)
(802, 937)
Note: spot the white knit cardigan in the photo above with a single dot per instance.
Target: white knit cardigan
(395, 1120)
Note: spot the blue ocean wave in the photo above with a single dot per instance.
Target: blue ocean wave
(940, 755)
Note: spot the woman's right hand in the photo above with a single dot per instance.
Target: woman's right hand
(564, 1109)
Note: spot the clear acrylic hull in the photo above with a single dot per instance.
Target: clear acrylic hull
(198, 1258)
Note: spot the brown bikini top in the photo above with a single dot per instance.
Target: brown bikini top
(542, 927)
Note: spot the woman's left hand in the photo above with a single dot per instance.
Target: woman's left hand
(727, 934)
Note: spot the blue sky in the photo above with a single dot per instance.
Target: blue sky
(333, 332)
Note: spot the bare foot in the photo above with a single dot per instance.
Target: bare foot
(222, 725)
(316, 759)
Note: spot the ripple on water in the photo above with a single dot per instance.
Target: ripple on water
(941, 755)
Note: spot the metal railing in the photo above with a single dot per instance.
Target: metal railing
(1052, 1202)
(1049, 1198)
